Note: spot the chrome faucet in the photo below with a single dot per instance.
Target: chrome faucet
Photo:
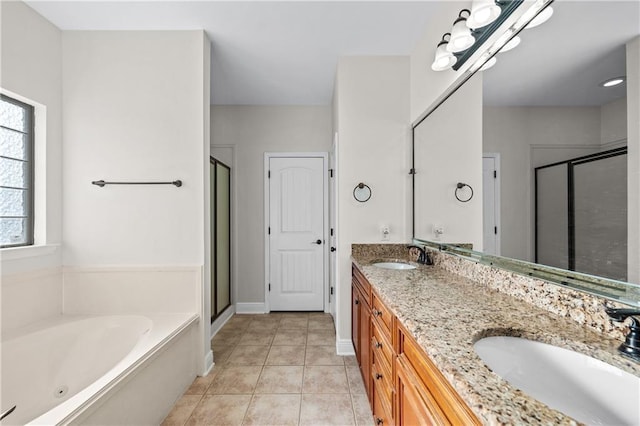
(631, 345)
(425, 257)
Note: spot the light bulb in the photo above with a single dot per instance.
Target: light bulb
(483, 12)
(511, 44)
(444, 59)
(491, 62)
(461, 38)
(540, 18)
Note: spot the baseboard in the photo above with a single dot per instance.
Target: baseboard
(250, 308)
(344, 347)
(208, 363)
(222, 320)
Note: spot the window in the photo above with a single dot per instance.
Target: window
(16, 173)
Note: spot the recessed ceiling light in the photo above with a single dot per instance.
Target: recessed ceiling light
(613, 82)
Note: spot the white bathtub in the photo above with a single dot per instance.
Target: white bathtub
(55, 371)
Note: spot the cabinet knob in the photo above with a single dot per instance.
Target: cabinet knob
(379, 421)
(378, 345)
(356, 302)
(378, 376)
(377, 313)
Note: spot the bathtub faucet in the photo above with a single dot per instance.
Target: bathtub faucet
(7, 412)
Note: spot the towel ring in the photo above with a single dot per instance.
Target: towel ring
(459, 186)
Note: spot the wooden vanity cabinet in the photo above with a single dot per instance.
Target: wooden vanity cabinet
(361, 324)
(403, 384)
(423, 390)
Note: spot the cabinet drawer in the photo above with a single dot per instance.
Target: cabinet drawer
(358, 280)
(381, 347)
(382, 381)
(382, 315)
(382, 398)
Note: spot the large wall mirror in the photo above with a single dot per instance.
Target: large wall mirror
(549, 155)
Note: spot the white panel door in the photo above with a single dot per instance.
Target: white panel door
(489, 207)
(296, 244)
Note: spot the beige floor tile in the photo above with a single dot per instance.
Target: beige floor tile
(248, 355)
(235, 380)
(286, 355)
(356, 384)
(226, 338)
(255, 338)
(325, 379)
(201, 384)
(321, 323)
(259, 326)
(290, 337)
(280, 379)
(362, 410)
(350, 360)
(182, 410)
(273, 410)
(326, 410)
(218, 410)
(288, 322)
(221, 355)
(322, 355)
(321, 337)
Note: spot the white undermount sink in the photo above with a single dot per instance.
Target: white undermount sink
(394, 265)
(589, 390)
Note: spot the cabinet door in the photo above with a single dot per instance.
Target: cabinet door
(355, 321)
(365, 345)
(414, 404)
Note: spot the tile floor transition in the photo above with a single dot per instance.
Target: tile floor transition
(276, 369)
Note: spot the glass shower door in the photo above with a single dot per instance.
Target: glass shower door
(220, 237)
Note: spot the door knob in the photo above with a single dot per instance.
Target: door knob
(333, 249)
(318, 242)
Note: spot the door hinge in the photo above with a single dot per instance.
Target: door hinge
(495, 230)
(495, 174)
(330, 172)
(269, 286)
(269, 174)
(412, 171)
(269, 230)
(331, 290)
(331, 232)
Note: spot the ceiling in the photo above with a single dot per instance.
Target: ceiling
(286, 53)
(264, 53)
(562, 61)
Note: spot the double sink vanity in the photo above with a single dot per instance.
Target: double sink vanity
(435, 347)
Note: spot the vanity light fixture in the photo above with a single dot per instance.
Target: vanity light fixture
(461, 37)
(541, 18)
(612, 82)
(444, 59)
(483, 12)
(491, 62)
(511, 44)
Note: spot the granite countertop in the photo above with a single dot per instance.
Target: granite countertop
(447, 314)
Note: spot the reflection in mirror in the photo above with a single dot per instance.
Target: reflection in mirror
(548, 194)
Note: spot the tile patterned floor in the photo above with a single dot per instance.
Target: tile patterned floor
(276, 369)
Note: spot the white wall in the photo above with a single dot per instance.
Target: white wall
(448, 150)
(372, 104)
(133, 112)
(251, 131)
(136, 108)
(633, 159)
(31, 66)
